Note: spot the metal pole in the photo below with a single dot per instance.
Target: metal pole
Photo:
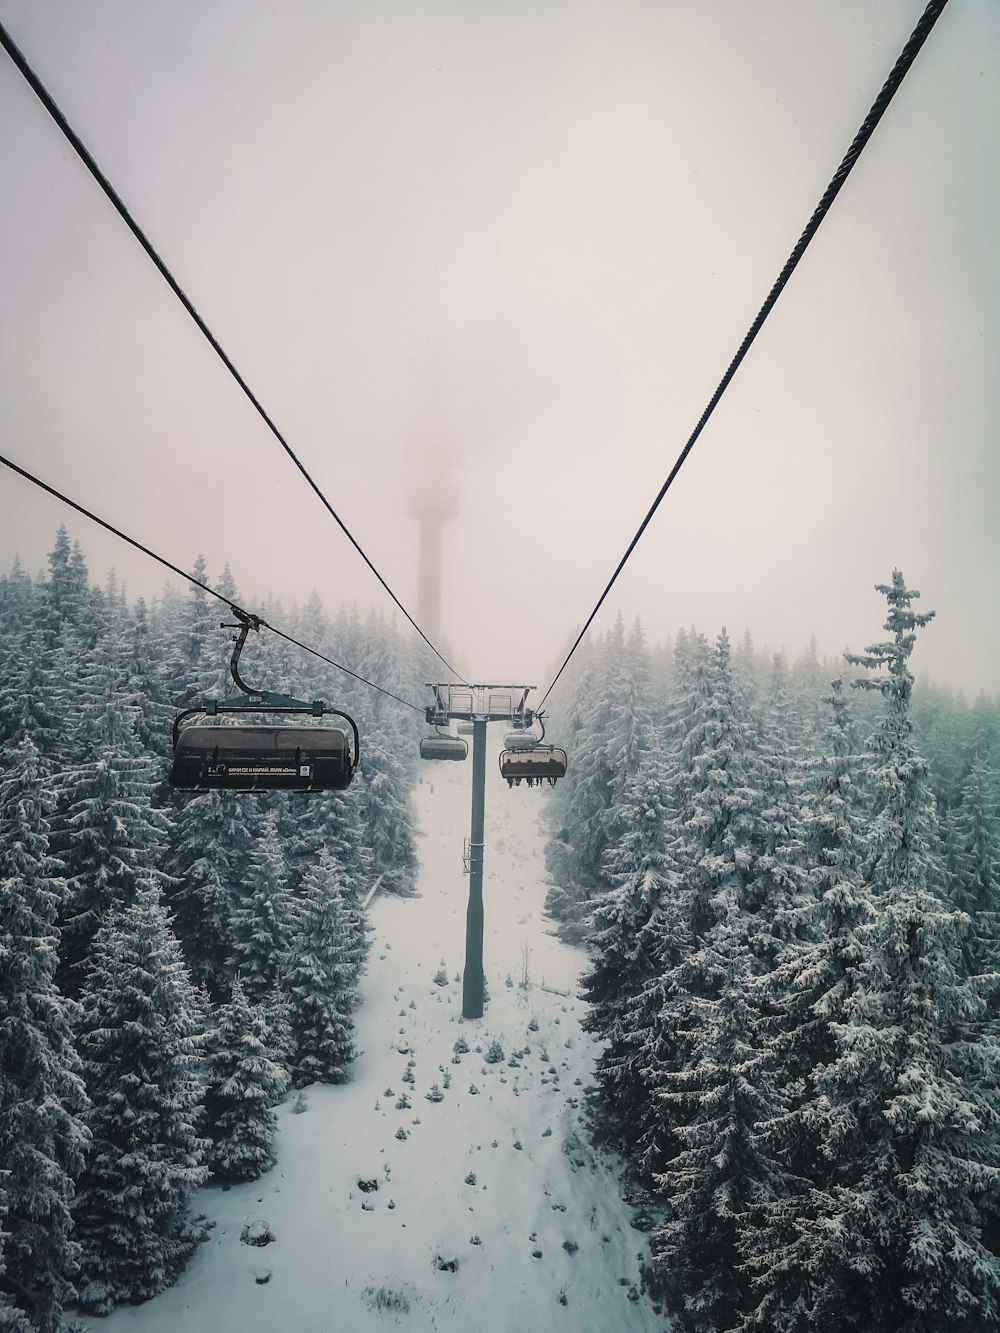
(472, 979)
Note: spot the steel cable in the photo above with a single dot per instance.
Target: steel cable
(227, 601)
(38, 88)
(909, 53)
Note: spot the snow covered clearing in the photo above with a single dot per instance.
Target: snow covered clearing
(486, 1209)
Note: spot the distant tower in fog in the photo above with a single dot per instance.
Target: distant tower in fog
(433, 500)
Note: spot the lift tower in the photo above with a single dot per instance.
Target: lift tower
(478, 704)
(433, 500)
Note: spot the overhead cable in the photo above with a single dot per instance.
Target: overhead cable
(258, 621)
(916, 40)
(87, 158)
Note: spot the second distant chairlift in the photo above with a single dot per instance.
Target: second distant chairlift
(525, 759)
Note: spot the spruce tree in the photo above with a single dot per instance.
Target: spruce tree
(243, 1084)
(68, 589)
(607, 728)
(215, 834)
(906, 1107)
(263, 918)
(385, 813)
(725, 1166)
(808, 992)
(326, 958)
(629, 943)
(110, 832)
(196, 665)
(42, 1097)
(977, 872)
(141, 1054)
(711, 1071)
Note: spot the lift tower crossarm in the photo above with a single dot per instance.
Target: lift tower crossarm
(473, 703)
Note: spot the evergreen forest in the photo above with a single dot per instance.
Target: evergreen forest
(170, 965)
(788, 883)
(785, 878)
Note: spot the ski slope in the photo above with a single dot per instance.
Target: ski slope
(487, 1210)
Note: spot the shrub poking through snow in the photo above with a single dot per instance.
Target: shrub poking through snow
(256, 1232)
(386, 1299)
(494, 1054)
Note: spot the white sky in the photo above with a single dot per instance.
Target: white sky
(532, 234)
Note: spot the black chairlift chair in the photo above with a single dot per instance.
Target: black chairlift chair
(525, 759)
(532, 766)
(257, 758)
(443, 747)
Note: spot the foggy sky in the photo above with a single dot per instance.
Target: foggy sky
(531, 235)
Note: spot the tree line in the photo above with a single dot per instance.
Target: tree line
(789, 889)
(169, 964)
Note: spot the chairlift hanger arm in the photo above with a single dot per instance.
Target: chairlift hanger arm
(245, 622)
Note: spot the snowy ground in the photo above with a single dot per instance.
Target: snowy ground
(487, 1210)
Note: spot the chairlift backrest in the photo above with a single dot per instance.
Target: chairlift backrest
(521, 740)
(262, 758)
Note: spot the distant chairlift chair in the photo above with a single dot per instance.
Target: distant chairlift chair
(443, 747)
(525, 759)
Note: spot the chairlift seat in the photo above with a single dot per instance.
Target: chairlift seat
(256, 758)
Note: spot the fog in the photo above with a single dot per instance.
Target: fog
(526, 238)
